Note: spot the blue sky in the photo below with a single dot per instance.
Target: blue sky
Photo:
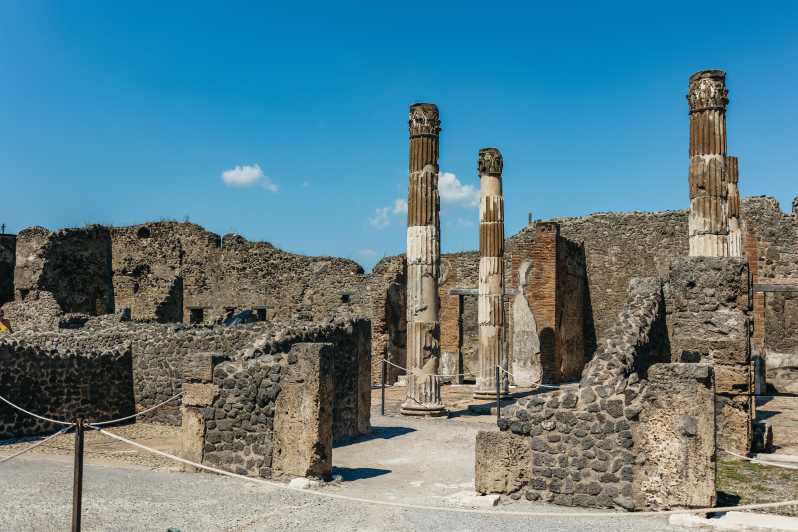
(288, 123)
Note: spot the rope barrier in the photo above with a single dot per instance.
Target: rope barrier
(397, 366)
(392, 504)
(34, 415)
(759, 461)
(138, 414)
(32, 447)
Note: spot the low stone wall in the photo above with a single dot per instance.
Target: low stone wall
(270, 415)
(596, 444)
(163, 355)
(62, 385)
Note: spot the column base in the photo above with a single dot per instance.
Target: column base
(418, 410)
(488, 395)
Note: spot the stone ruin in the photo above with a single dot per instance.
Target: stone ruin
(631, 313)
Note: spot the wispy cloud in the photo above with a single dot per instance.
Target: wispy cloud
(454, 192)
(249, 175)
(382, 215)
(368, 253)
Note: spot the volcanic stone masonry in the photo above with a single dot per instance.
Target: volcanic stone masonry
(492, 347)
(707, 97)
(423, 265)
(8, 251)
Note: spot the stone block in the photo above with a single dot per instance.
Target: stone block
(676, 434)
(198, 367)
(503, 462)
(199, 394)
(192, 436)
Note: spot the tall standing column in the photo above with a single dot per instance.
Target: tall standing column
(490, 311)
(735, 230)
(423, 265)
(708, 222)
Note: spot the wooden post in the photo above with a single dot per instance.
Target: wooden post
(77, 484)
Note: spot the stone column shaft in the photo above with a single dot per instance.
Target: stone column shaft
(423, 265)
(708, 221)
(735, 226)
(490, 310)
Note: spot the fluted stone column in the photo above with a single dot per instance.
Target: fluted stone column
(733, 201)
(490, 310)
(423, 265)
(708, 221)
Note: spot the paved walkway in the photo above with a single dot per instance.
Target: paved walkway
(782, 413)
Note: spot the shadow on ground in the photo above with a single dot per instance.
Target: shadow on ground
(357, 473)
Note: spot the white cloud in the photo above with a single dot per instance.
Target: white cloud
(462, 222)
(454, 192)
(248, 175)
(370, 253)
(382, 215)
(381, 218)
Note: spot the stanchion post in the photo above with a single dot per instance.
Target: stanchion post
(382, 392)
(77, 485)
(498, 397)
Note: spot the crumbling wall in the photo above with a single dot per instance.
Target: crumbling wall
(587, 441)
(8, 250)
(61, 384)
(709, 308)
(771, 244)
(387, 290)
(74, 265)
(163, 355)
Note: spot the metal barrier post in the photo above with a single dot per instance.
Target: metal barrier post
(498, 398)
(77, 485)
(382, 393)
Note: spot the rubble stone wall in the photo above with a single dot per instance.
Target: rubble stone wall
(8, 247)
(586, 442)
(162, 356)
(61, 384)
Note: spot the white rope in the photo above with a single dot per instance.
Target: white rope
(338, 496)
(34, 415)
(431, 375)
(138, 414)
(759, 460)
(32, 447)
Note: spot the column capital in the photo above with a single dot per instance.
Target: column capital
(490, 162)
(707, 90)
(424, 119)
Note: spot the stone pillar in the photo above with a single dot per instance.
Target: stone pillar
(423, 265)
(708, 222)
(735, 231)
(491, 275)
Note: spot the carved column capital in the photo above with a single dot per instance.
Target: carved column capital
(707, 90)
(424, 119)
(490, 162)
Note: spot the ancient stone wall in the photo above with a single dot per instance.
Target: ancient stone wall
(74, 265)
(8, 247)
(387, 290)
(162, 356)
(61, 384)
(271, 415)
(589, 445)
(176, 272)
(709, 311)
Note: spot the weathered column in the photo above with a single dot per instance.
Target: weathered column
(490, 312)
(733, 201)
(708, 221)
(423, 264)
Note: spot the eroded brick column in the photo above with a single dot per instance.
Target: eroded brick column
(707, 97)
(423, 265)
(490, 310)
(733, 202)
